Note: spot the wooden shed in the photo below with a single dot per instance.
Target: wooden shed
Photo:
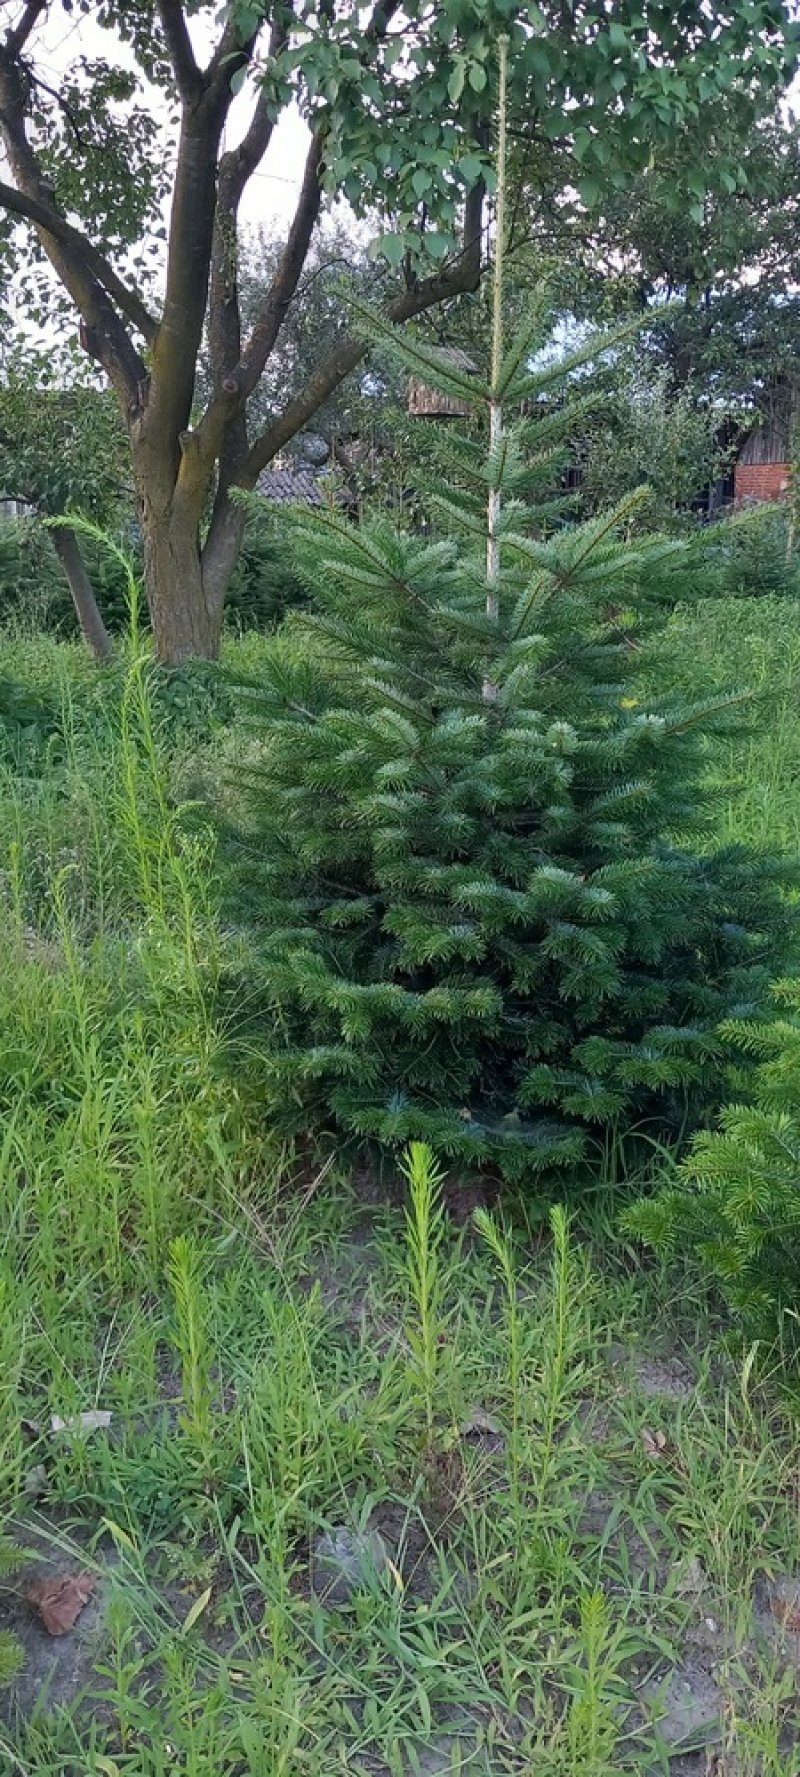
(427, 403)
(763, 468)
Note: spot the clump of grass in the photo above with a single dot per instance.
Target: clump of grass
(753, 773)
(190, 1338)
(277, 1366)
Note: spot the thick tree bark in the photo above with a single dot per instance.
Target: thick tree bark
(186, 609)
(87, 610)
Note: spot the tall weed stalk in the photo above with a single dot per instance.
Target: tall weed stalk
(500, 1246)
(425, 1233)
(190, 1339)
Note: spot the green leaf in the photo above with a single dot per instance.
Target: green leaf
(455, 85)
(390, 247)
(248, 19)
(591, 190)
(438, 245)
(477, 76)
(471, 167)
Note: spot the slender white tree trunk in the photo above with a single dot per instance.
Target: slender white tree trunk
(494, 503)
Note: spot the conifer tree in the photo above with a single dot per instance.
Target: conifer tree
(479, 928)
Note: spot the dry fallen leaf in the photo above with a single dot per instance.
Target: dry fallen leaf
(480, 1421)
(60, 1601)
(787, 1612)
(36, 1481)
(197, 1609)
(654, 1442)
(97, 1419)
(693, 1578)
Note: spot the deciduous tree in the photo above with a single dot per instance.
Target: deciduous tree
(397, 101)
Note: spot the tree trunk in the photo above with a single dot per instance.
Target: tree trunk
(87, 610)
(185, 611)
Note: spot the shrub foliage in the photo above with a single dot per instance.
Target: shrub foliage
(735, 1206)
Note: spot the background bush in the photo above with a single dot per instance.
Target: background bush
(749, 555)
(34, 592)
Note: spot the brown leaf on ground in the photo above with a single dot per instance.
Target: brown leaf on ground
(481, 1421)
(787, 1612)
(60, 1601)
(692, 1579)
(36, 1481)
(654, 1443)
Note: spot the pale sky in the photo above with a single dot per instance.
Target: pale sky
(272, 192)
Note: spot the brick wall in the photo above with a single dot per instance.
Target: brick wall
(761, 481)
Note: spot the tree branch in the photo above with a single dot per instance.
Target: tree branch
(382, 15)
(287, 276)
(231, 54)
(235, 168)
(224, 311)
(222, 428)
(188, 77)
(87, 610)
(45, 217)
(239, 381)
(58, 97)
(191, 235)
(188, 268)
(461, 275)
(111, 342)
(17, 36)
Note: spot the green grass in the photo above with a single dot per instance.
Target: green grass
(586, 1493)
(755, 644)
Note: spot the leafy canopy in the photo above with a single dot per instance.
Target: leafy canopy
(405, 95)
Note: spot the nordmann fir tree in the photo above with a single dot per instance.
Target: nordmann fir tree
(733, 1206)
(476, 930)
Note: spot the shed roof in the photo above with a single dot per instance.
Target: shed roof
(291, 487)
